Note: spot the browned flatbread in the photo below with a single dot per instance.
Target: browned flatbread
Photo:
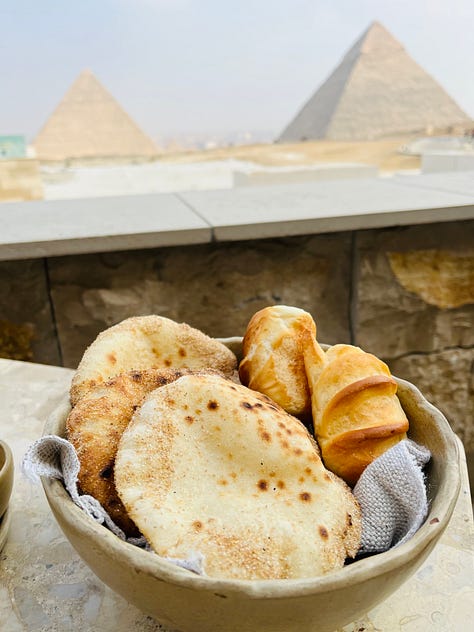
(208, 466)
(95, 426)
(148, 342)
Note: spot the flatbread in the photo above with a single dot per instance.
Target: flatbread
(148, 342)
(208, 466)
(95, 425)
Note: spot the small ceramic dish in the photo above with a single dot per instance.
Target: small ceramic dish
(6, 485)
(6, 476)
(4, 526)
(192, 603)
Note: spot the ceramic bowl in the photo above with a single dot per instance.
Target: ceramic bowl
(6, 476)
(6, 485)
(191, 603)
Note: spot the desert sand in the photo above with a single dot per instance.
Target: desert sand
(385, 154)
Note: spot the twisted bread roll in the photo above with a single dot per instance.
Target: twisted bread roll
(273, 361)
(356, 413)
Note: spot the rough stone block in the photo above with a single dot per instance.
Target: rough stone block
(214, 287)
(415, 289)
(446, 379)
(27, 330)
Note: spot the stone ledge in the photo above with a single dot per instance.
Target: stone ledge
(66, 227)
(61, 227)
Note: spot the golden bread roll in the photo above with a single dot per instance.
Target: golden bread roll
(209, 467)
(148, 342)
(94, 427)
(356, 413)
(273, 361)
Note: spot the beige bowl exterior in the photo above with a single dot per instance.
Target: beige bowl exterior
(6, 476)
(191, 603)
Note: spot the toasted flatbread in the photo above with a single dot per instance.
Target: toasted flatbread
(95, 425)
(148, 342)
(208, 466)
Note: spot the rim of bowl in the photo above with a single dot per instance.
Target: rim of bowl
(439, 514)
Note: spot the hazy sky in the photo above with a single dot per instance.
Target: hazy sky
(212, 65)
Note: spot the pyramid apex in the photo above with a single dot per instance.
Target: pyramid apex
(85, 73)
(376, 24)
(378, 37)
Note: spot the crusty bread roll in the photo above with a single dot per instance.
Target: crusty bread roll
(209, 467)
(273, 361)
(149, 342)
(356, 413)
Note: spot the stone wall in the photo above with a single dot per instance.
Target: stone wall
(414, 307)
(27, 321)
(405, 294)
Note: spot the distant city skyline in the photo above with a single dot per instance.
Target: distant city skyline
(189, 67)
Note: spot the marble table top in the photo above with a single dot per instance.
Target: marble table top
(45, 586)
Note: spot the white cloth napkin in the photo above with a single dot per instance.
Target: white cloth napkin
(391, 493)
(392, 497)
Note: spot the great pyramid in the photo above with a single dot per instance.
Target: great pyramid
(89, 123)
(377, 91)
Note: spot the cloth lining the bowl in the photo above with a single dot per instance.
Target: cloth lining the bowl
(391, 493)
(55, 457)
(392, 496)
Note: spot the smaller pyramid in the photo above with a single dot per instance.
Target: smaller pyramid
(377, 91)
(90, 123)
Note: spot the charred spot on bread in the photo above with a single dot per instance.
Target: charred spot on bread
(112, 358)
(107, 471)
(265, 436)
(323, 532)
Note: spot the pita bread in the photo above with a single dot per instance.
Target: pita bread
(94, 427)
(208, 466)
(148, 342)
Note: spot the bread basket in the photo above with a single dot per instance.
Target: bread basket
(188, 602)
